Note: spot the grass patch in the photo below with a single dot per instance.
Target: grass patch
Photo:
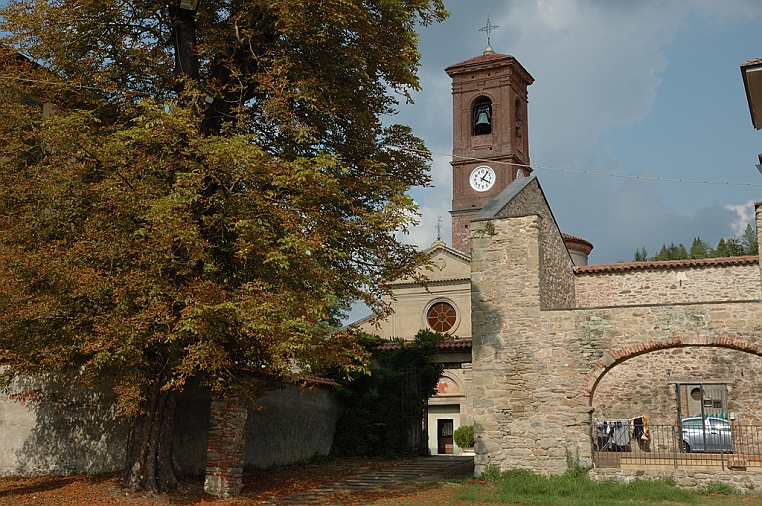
(719, 488)
(573, 488)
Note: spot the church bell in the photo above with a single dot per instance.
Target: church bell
(482, 119)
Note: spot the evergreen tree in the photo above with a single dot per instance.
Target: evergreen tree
(722, 249)
(663, 253)
(700, 249)
(671, 252)
(749, 241)
(678, 252)
(730, 247)
(641, 255)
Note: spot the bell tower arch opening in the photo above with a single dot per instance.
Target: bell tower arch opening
(482, 116)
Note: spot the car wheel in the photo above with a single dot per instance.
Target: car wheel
(686, 447)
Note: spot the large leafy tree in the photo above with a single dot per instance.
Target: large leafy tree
(209, 191)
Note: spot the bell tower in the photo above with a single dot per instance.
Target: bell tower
(490, 142)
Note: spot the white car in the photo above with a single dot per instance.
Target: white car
(711, 435)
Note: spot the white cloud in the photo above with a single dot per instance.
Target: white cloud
(596, 67)
(745, 214)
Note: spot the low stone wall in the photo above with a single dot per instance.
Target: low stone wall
(50, 425)
(744, 482)
(292, 425)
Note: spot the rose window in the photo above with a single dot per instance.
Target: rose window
(441, 317)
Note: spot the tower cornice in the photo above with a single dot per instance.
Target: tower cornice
(488, 61)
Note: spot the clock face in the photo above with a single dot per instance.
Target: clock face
(482, 178)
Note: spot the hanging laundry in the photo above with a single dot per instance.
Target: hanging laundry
(621, 434)
(600, 429)
(646, 437)
(637, 428)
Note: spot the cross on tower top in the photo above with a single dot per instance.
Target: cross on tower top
(488, 28)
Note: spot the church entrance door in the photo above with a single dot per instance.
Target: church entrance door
(444, 439)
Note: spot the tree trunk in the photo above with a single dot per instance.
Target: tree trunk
(149, 445)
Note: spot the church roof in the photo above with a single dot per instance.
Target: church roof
(503, 198)
(577, 243)
(446, 345)
(667, 264)
(484, 61)
(441, 245)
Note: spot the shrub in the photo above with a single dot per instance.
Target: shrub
(491, 474)
(464, 436)
(719, 488)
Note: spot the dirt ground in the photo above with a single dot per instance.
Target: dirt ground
(259, 487)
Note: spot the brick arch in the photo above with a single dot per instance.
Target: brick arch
(612, 358)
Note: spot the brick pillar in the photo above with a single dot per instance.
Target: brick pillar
(224, 454)
(461, 230)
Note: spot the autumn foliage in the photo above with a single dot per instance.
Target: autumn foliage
(170, 222)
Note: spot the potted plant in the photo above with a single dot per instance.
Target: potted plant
(464, 438)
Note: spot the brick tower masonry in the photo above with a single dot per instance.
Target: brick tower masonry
(489, 133)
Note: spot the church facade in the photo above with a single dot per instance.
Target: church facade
(554, 343)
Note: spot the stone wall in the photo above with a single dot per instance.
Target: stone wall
(675, 285)
(536, 371)
(52, 426)
(519, 420)
(743, 482)
(556, 266)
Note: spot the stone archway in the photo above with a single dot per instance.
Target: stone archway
(611, 358)
(640, 379)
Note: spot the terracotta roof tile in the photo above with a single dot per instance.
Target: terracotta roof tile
(753, 61)
(483, 58)
(455, 344)
(449, 344)
(314, 380)
(667, 264)
(580, 243)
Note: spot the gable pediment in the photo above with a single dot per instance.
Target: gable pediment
(447, 265)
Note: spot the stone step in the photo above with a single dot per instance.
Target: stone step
(389, 478)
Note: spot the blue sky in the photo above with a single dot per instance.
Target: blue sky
(629, 87)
